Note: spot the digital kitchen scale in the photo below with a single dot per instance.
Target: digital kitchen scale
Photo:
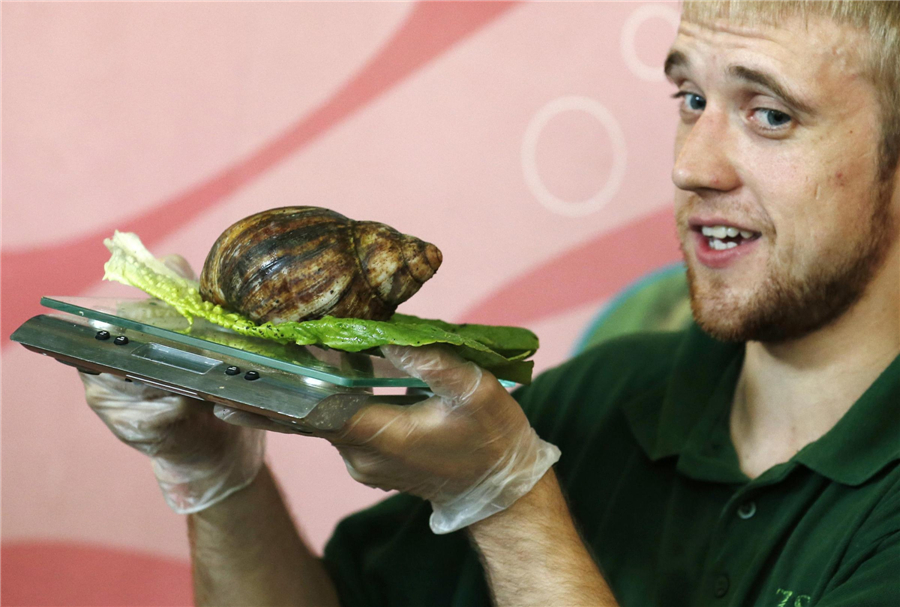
(145, 340)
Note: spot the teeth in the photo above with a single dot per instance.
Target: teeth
(715, 232)
(720, 245)
(723, 231)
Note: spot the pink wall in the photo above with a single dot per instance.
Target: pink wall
(531, 143)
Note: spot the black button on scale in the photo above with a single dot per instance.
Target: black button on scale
(232, 370)
(102, 335)
(121, 340)
(251, 375)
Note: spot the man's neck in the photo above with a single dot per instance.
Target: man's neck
(789, 395)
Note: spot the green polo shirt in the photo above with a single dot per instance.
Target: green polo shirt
(654, 484)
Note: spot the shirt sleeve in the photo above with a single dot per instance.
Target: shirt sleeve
(870, 571)
(874, 581)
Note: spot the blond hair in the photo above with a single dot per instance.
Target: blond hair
(879, 19)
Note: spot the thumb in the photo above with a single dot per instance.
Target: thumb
(446, 373)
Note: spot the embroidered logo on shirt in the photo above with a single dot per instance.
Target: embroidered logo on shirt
(800, 600)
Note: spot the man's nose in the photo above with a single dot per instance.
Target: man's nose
(703, 156)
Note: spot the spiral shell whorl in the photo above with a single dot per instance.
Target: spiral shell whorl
(422, 258)
(301, 263)
(395, 265)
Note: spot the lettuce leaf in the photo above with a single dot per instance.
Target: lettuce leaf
(501, 350)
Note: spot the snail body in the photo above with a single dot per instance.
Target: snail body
(303, 263)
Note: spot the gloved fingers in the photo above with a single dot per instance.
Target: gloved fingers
(247, 419)
(133, 411)
(198, 460)
(153, 421)
(354, 468)
(446, 373)
(435, 424)
(141, 421)
(107, 386)
(392, 427)
(180, 266)
(366, 425)
(174, 424)
(366, 467)
(371, 468)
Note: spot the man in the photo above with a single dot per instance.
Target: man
(753, 462)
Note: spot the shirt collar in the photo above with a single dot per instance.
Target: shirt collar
(865, 439)
(704, 373)
(690, 419)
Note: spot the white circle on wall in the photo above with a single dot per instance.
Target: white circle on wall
(640, 69)
(529, 155)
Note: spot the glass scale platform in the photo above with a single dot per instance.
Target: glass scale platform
(306, 388)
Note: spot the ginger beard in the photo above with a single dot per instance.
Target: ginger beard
(790, 302)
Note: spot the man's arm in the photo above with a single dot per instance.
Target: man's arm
(471, 451)
(246, 550)
(533, 555)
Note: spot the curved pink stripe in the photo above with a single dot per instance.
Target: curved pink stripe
(588, 273)
(71, 267)
(64, 573)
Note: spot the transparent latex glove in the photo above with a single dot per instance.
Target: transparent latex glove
(198, 459)
(469, 449)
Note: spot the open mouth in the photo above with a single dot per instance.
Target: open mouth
(722, 237)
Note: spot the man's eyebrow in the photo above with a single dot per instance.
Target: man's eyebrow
(748, 75)
(675, 59)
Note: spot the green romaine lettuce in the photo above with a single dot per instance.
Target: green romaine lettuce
(501, 350)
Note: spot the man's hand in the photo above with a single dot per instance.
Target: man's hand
(198, 459)
(469, 449)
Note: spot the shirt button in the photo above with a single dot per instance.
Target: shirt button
(722, 584)
(747, 510)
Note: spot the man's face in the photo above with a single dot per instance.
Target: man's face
(781, 217)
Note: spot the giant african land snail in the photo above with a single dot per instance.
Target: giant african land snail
(302, 263)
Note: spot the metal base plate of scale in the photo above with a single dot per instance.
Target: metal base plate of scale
(145, 340)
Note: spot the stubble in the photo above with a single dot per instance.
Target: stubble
(791, 303)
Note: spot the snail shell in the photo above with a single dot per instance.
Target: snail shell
(303, 263)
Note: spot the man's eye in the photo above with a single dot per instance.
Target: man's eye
(772, 119)
(691, 101)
